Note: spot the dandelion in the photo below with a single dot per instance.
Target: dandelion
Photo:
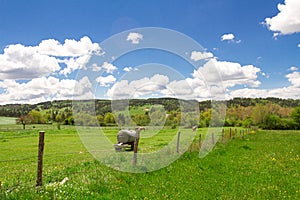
(273, 159)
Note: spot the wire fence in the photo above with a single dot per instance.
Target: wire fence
(223, 137)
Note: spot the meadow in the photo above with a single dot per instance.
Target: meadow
(260, 165)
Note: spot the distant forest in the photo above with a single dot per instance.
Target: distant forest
(268, 113)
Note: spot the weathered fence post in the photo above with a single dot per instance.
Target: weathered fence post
(200, 140)
(230, 133)
(213, 138)
(39, 180)
(178, 139)
(223, 134)
(135, 148)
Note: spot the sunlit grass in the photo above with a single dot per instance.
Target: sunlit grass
(263, 165)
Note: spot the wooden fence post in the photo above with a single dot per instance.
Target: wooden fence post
(230, 134)
(213, 138)
(135, 149)
(178, 139)
(223, 135)
(200, 140)
(39, 180)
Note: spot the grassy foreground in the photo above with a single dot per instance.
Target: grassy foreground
(264, 165)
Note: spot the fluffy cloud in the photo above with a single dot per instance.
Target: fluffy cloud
(135, 38)
(228, 36)
(44, 89)
(107, 67)
(294, 78)
(209, 81)
(20, 62)
(287, 21)
(248, 93)
(70, 48)
(179, 89)
(128, 69)
(106, 80)
(26, 62)
(197, 55)
(292, 91)
(285, 92)
(293, 68)
(74, 63)
(137, 88)
(229, 73)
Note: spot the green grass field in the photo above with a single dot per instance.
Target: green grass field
(263, 165)
(7, 120)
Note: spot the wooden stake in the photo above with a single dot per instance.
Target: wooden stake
(135, 149)
(178, 139)
(200, 140)
(39, 180)
(223, 134)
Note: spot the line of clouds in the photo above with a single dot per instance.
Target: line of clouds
(21, 62)
(39, 64)
(199, 85)
(45, 89)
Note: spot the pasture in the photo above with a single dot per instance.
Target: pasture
(7, 120)
(263, 165)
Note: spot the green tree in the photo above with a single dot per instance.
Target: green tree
(296, 116)
(109, 118)
(259, 114)
(24, 120)
(100, 119)
(37, 117)
(205, 118)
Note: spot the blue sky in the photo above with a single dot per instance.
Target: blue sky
(47, 49)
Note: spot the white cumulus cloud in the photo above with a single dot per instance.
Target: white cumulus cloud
(44, 89)
(293, 68)
(70, 48)
(105, 80)
(292, 91)
(128, 69)
(229, 73)
(27, 62)
(197, 55)
(287, 21)
(228, 36)
(134, 38)
(137, 88)
(107, 67)
(21, 62)
(294, 78)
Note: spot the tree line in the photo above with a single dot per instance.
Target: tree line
(267, 113)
